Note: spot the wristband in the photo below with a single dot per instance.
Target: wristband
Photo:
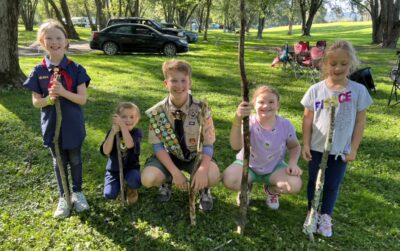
(49, 101)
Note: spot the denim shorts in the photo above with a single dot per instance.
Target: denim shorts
(257, 178)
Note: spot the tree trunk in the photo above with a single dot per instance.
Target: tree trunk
(100, 18)
(72, 34)
(308, 7)
(291, 18)
(10, 71)
(28, 9)
(48, 11)
(209, 2)
(390, 11)
(261, 24)
(89, 16)
(201, 18)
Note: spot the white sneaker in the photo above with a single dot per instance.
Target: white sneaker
(62, 210)
(272, 199)
(79, 201)
(313, 226)
(325, 225)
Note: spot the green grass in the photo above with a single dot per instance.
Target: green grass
(366, 217)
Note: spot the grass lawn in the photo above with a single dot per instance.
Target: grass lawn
(366, 217)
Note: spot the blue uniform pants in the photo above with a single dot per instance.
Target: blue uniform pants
(334, 175)
(71, 157)
(112, 185)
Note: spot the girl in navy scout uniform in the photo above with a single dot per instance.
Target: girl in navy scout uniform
(351, 100)
(124, 121)
(71, 92)
(173, 131)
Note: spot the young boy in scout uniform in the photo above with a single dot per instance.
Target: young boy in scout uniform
(174, 132)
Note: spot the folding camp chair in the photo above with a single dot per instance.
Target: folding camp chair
(364, 76)
(395, 76)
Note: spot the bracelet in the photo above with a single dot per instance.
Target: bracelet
(49, 101)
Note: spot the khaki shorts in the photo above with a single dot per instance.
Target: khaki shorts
(182, 165)
(257, 178)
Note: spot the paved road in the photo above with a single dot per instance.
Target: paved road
(35, 50)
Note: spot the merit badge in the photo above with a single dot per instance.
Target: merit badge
(192, 141)
(167, 138)
(170, 131)
(164, 134)
(167, 125)
(170, 143)
(162, 115)
(192, 115)
(157, 131)
(159, 123)
(176, 141)
(162, 128)
(154, 125)
(152, 120)
(154, 112)
(173, 136)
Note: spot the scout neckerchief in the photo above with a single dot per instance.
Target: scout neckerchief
(162, 127)
(62, 71)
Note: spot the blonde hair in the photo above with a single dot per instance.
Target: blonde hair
(50, 24)
(129, 105)
(263, 89)
(176, 65)
(345, 46)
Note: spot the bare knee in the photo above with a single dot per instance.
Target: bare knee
(294, 184)
(152, 177)
(232, 179)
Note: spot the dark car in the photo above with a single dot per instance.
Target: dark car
(191, 36)
(146, 21)
(136, 38)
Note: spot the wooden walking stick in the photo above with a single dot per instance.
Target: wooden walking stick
(319, 184)
(200, 139)
(246, 132)
(56, 143)
(121, 169)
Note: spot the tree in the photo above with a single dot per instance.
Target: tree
(208, 9)
(373, 8)
(28, 9)
(390, 10)
(184, 11)
(68, 25)
(10, 71)
(308, 9)
(100, 17)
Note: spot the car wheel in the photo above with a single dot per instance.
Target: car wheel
(110, 48)
(169, 50)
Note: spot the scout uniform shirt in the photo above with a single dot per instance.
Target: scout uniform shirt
(72, 131)
(161, 128)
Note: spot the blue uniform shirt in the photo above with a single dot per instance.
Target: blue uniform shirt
(130, 157)
(72, 131)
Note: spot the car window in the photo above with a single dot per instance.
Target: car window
(122, 30)
(142, 31)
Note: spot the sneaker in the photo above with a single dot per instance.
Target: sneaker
(325, 225)
(313, 226)
(249, 188)
(164, 192)
(206, 200)
(272, 199)
(132, 196)
(79, 201)
(62, 210)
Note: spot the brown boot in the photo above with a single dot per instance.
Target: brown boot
(132, 196)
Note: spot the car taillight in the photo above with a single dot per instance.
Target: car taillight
(95, 34)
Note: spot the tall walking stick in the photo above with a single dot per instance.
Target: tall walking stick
(121, 169)
(56, 143)
(246, 132)
(200, 139)
(319, 184)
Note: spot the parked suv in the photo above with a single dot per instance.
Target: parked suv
(191, 36)
(136, 38)
(146, 21)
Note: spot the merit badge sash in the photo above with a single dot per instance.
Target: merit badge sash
(162, 127)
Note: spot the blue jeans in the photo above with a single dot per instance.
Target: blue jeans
(334, 175)
(112, 184)
(71, 157)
